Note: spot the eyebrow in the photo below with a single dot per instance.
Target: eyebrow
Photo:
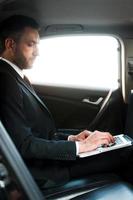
(33, 41)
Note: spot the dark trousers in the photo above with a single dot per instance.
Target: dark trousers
(56, 173)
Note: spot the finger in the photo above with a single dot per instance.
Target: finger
(111, 138)
(71, 138)
(103, 142)
(105, 135)
(87, 133)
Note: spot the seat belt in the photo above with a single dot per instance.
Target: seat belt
(101, 110)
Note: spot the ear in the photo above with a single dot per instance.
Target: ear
(10, 44)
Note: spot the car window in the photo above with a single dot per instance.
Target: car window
(82, 61)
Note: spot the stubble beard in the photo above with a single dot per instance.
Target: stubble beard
(21, 61)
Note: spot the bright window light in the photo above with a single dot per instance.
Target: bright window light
(81, 61)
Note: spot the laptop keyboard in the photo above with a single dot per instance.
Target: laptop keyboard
(118, 140)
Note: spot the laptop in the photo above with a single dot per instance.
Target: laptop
(121, 141)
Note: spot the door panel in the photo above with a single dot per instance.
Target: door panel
(71, 111)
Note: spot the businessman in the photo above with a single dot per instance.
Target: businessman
(28, 120)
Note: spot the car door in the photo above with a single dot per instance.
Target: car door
(81, 91)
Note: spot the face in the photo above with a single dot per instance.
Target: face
(26, 49)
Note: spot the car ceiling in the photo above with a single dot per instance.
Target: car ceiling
(104, 13)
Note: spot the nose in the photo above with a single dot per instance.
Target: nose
(36, 51)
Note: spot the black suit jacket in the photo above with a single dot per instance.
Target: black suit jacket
(28, 121)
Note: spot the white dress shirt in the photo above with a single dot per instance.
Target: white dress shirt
(15, 67)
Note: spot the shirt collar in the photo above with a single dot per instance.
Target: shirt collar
(15, 67)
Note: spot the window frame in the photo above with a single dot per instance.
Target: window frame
(120, 59)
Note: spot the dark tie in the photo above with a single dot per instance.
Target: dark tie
(26, 80)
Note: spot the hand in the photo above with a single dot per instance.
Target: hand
(79, 137)
(94, 140)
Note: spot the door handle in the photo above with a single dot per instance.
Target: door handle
(97, 102)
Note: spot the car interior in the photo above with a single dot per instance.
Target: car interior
(79, 107)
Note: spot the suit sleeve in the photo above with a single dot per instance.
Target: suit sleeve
(14, 119)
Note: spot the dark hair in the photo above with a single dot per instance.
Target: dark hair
(13, 27)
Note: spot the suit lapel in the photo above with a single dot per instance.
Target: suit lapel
(5, 67)
(33, 93)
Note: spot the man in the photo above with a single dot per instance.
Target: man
(28, 120)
